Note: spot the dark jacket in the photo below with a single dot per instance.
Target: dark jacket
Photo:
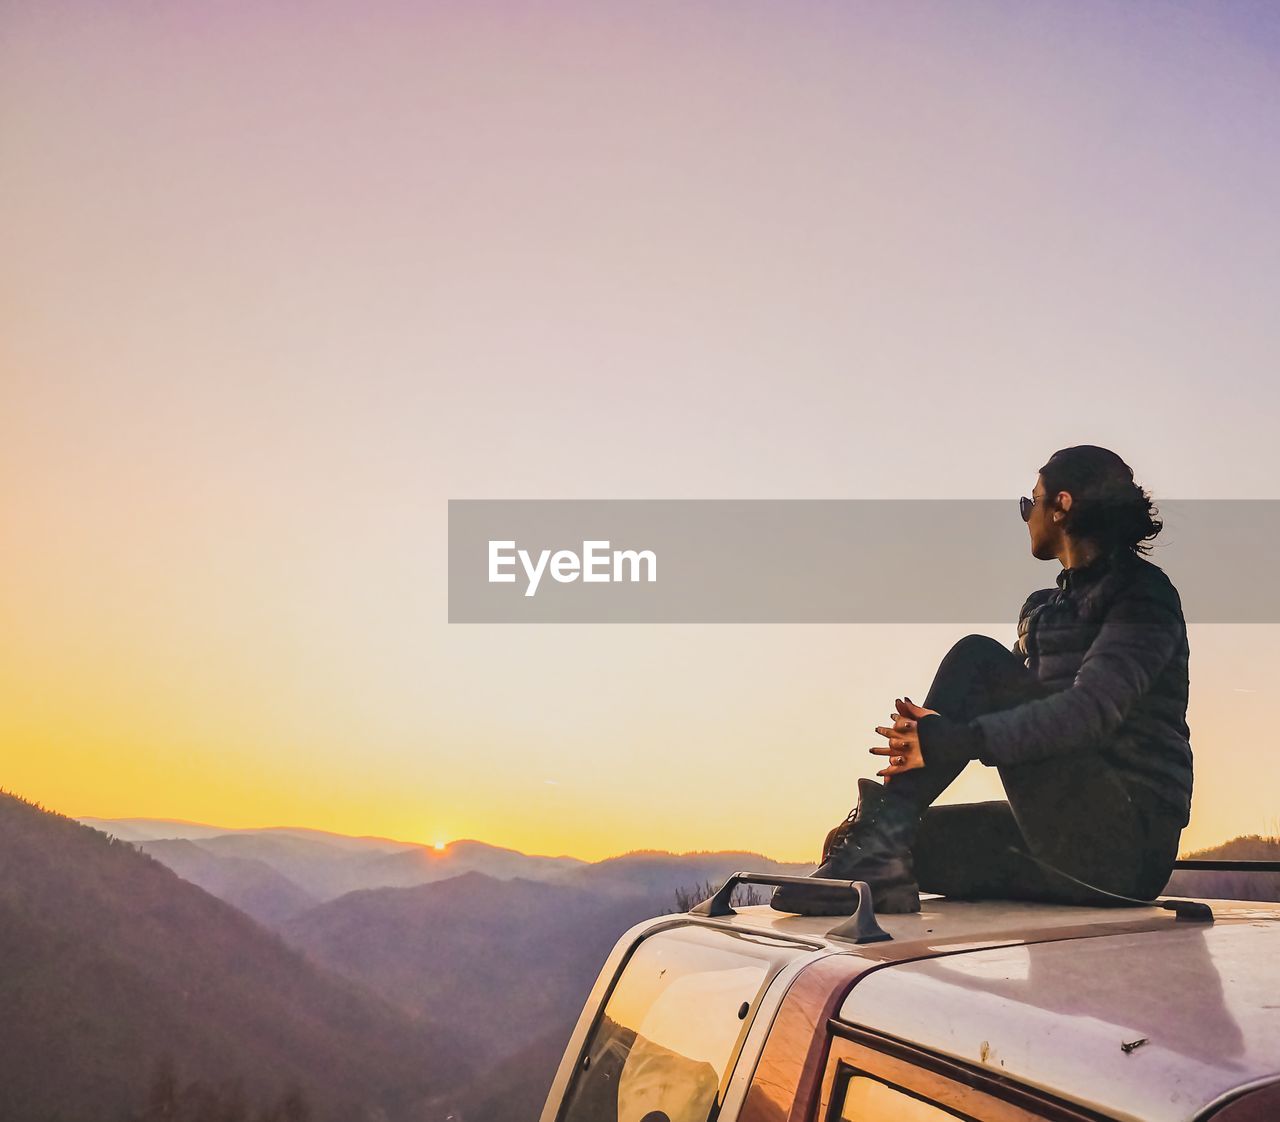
(1110, 641)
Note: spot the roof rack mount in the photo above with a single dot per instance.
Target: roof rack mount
(860, 927)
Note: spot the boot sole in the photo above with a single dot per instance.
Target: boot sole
(812, 903)
(896, 901)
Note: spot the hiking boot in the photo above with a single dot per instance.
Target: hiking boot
(836, 835)
(874, 845)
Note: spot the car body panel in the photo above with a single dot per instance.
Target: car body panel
(1152, 1026)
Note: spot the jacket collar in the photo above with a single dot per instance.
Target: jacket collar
(1073, 578)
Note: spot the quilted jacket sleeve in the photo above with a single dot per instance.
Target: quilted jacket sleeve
(1138, 636)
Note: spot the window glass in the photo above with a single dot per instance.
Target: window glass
(670, 1028)
(869, 1100)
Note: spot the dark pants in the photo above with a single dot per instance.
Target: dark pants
(1073, 812)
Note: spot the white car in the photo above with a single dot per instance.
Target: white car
(989, 1011)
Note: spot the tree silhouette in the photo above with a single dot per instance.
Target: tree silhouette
(743, 896)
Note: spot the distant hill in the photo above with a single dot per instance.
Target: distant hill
(251, 885)
(109, 962)
(323, 865)
(1230, 885)
(156, 829)
(660, 873)
(426, 864)
(508, 959)
(316, 865)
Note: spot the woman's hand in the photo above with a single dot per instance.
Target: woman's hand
(903, 748)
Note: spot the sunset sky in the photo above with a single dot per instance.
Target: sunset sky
(278, 280)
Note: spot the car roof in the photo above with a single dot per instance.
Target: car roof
(1131, 1011)
(945, 922)
(1152, 1025)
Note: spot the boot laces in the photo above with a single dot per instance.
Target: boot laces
(841, 832)
(846, 834)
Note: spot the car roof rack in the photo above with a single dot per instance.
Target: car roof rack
(1194, 909)
(861, 927)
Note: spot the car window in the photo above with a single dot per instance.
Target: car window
(665, 1041)
(874, 1079)
(868, 1100)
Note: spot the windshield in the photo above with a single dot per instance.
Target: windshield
(664, 1044)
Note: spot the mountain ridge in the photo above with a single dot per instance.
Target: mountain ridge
(111, 963)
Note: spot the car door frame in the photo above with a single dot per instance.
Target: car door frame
(969, 1092)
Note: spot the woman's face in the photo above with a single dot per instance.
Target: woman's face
(1046, 534)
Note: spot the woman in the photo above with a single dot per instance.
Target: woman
(1085, 720)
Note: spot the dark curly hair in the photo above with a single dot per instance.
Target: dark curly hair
(1107, 506)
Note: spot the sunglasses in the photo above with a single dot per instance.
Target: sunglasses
(1025, 505)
